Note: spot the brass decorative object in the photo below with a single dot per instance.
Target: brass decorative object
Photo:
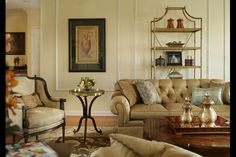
(187, 116)
(207, 115)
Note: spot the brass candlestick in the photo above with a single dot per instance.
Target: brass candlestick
(186, 117)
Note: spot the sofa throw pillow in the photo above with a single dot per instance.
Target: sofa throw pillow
(130, 91)
(148, 92)
(225, 88)
(215, 94)
(31, 100)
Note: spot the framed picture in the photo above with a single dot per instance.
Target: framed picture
(15, 43)
(87, 49)
(174, 58)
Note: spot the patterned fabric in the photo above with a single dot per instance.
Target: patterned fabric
(148, 92)
(42, 116)
(215, 94)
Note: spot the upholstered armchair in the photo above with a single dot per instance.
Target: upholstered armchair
(37, 111)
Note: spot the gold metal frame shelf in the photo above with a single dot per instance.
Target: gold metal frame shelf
(191, 36)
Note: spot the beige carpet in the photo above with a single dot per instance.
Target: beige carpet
(93, 141)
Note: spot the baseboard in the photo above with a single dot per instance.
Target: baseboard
(94, 113)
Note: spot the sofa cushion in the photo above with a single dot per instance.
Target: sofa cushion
(129, 146)
(148, 92)
(215, 94)
(31, 100)
(225, 87)
(129, 90)
(176, 109)
(143, 111)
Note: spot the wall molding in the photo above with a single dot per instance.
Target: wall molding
(135, 37)
(57, 86)
(118, 42)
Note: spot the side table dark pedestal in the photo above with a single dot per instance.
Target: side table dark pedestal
(87, 108)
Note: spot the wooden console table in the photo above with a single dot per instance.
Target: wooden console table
(207, 145)
(87, 108)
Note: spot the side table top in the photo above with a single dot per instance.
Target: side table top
(83, 92)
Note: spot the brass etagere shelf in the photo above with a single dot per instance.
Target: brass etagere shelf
(194, 47)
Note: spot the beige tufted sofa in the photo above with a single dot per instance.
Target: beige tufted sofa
(127, 102)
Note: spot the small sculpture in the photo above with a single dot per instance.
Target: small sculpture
(170, 23)
(180, 23)
(207, 115)
(186, 117)
(160, 61)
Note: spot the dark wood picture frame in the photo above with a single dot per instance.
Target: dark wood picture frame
(15, 43)
(87, 49)
(174, 58)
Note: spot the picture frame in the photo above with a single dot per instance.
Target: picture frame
(174, 58)
(87, 49)
(15, 43)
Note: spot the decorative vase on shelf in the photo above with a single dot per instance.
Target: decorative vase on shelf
(180, 23)
(170, 23)
(186, 116)
(207, 115)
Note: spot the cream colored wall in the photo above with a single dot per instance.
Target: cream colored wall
(127, 43)
(33, 21)
(219, 43)
(16, 21)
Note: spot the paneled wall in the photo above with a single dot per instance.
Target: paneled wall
(127, 42)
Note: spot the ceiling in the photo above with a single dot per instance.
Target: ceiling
(22, 4)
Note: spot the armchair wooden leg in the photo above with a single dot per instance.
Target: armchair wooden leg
(14, 139)
(63, 133)
(26, 139)
(37, 137)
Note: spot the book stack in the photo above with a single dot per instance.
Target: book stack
(32, 149)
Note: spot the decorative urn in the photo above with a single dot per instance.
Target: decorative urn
(207, 115)
(186, 116)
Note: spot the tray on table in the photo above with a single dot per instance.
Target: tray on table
(222, 126)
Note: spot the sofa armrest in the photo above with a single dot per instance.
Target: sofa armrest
(121, 107)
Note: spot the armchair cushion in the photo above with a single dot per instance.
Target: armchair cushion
(43, 116)
(31, 100)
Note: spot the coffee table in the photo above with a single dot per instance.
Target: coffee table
(207, 145)
(62, 149)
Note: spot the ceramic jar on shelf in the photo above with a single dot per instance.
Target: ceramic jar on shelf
(170, 23)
